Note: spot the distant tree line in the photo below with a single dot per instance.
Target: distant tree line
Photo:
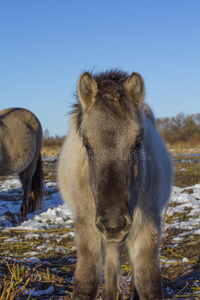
(52, 141)
(181, 128)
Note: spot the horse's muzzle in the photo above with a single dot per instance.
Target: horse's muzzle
(114, 229)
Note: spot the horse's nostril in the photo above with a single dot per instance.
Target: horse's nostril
(124, 223)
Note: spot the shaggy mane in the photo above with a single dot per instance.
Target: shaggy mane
(112, 83)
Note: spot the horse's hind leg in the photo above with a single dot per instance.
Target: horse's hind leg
(26, 179)
(143, 252)
(89, 261)
(26, 184)
(112, 290)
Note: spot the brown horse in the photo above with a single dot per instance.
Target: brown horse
(115, 173)
(20, 146)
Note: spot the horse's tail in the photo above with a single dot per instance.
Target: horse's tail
(37, 187)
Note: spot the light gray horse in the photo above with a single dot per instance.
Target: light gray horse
(20, 146)
(115, 173)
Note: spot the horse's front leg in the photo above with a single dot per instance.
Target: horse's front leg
(143, 252)
(112, 290)
(89, 260)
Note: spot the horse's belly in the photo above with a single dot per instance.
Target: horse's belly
(17, 153)
(11, 165)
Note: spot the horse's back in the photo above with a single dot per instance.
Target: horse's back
(158, 161)
(20, 137)
(18, 117)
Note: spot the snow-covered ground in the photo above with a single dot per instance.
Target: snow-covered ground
(56, 215)
(180, 200)
(53, 214)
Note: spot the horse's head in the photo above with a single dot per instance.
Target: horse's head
(112, 133)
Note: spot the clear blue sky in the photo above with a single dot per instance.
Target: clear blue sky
(46, 44)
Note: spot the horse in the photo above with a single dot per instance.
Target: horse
(115, 173)
(20, 146)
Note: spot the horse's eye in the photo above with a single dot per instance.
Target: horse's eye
(87, 147)
(86, 144)
(138, 145)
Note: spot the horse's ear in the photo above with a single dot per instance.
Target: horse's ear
(134, 86)
(87, 89)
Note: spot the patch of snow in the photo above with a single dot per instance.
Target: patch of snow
(197, 231)
(13, 239)
(185, 259)
(31, 236)
(39, 293)
(32, 253)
